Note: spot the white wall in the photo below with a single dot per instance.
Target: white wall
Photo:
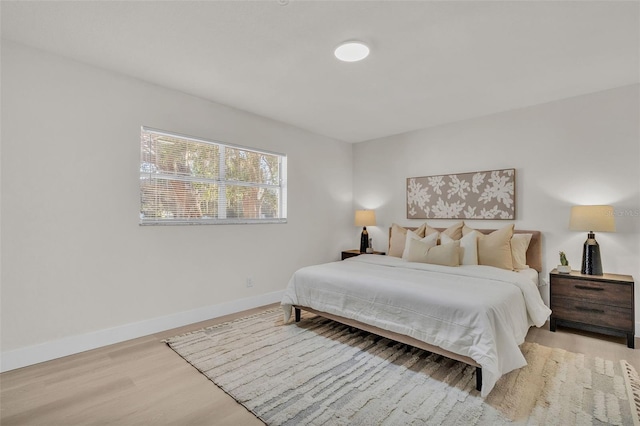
(78, 271)
(583, 150)
(75, 262)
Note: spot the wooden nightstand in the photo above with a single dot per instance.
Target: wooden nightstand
(599, 303)
(352, 253)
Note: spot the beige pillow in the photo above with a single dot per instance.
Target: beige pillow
(416, 249)
(446, 254)
(494, 249)
(397, 241)
(454, 231)
(430, 240)
(429, 230)
(519, 246)
(420, 231)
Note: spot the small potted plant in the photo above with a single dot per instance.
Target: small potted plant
(564, 267)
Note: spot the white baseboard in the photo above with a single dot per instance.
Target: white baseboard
(23, 357)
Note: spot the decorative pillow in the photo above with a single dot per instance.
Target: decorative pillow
(446, 254)
(417, 250)
(519, 246)
(454, 231)
(421, 231)
(397, 241)
(429, 230)
(430, 240)
(468, 247)
(494, 249)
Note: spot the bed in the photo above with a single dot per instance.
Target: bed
(478, 315)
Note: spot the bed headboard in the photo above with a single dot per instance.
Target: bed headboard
(534, 252)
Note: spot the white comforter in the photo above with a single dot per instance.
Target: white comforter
(477, 311)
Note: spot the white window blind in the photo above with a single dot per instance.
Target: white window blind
(187, 180)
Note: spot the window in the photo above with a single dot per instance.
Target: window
(186, 180)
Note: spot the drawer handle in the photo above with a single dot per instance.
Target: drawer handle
(598, 311)
(584, 287)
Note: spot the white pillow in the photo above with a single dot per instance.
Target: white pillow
(430, 240)
(519, 246)
(468, 247)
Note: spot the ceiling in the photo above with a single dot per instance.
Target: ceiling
(431, 62)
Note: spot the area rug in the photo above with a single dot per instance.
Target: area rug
(319, 372)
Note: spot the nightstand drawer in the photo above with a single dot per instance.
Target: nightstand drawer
(606, 293)
(585, 312)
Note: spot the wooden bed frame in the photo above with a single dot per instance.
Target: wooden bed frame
(534, 260)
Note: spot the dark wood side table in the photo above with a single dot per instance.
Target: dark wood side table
(352, 253)
(599, 303)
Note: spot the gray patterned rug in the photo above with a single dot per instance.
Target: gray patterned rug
(319, 372)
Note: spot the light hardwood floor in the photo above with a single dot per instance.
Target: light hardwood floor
(142, 381)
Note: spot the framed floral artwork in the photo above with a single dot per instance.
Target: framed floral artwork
(476, 195)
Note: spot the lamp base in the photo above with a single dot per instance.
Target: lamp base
(591, 263)
(364, 240)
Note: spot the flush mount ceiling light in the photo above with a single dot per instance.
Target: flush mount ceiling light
(351, 51)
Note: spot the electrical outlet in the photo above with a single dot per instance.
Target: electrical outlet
(249, 282)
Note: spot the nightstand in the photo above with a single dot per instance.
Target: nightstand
(599, 303)
(352, 253)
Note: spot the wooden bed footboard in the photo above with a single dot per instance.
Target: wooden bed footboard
(397, 337)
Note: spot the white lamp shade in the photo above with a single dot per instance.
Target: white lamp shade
(365, 218)
(592, 218)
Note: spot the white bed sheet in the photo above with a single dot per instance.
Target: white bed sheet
(477, 311)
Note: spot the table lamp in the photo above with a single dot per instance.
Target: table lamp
(365, 218)
(591, 219)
